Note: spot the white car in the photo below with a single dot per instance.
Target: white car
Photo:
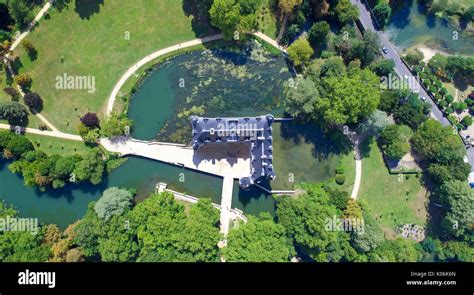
(423, 98)
(406, 77)
(384, 49)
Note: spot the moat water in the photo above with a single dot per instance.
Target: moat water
(216, 83)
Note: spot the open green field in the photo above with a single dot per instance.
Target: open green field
(89, 38)
(57, 146)
(392, 199)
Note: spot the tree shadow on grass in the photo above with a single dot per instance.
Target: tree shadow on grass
(324, 144)
(198, 9)
(86, 8)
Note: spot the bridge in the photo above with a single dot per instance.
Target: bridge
(230, 163)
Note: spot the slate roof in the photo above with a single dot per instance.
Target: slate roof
(255, 131)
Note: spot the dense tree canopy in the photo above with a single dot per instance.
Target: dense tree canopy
(114, 202)
(234, 18)
(300, 52)
(14, 113)
(259, 240)
(459, 198)
(300, 97)
(437, 143)
(349, 99)
(305, 219)
(346, 12)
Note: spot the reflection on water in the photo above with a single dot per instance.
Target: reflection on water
(64, 206)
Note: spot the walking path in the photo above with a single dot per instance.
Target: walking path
(32, 24)
(17, 42)
(56, 134)
(358, 176)
(131, 71)
(204, 160)
(226, 203)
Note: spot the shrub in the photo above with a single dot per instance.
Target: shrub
(449, 110)
(23, 80)
(33, 101)
(443, 91)
(340, 170)
(449, 98)
(15, 95)
(91, 120)
(459, 106)
(443, 104)
(340, 179)
(466, 121)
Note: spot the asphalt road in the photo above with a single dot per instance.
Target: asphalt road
(402, 70)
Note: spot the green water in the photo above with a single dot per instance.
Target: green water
(214, 83)
(410, 26)
(67, 205)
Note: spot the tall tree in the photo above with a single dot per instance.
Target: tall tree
(300, 52)
(346, 12)
(349, 99)
(300, 97)
(258, 240)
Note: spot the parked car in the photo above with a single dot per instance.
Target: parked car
(423, 98)
(384, 49)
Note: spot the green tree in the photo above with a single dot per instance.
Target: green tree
(305, 219)
(116, 125)
(21, 12)
(333, 66)
(349, 99)
(114, 202)
(318, 33)
(460, 216)
(414, 57)
(258, 240)
(399, 250)
(232, 16)
(382, 12)
(346, 12)
(91, 167)
(201, 234)
(300, 96)
(395, 141)
(287, 6)
(383, 67)
(300, 52)
(437, 143)
(411, 111)
(14, 113)
(18, 145)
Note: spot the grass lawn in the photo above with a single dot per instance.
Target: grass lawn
(267, 19)
(392, 200)
(33, 121)
(89, 39)
(461, 94)
(57, 146)
(348, 163)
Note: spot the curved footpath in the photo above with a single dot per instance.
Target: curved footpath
(149, 58)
